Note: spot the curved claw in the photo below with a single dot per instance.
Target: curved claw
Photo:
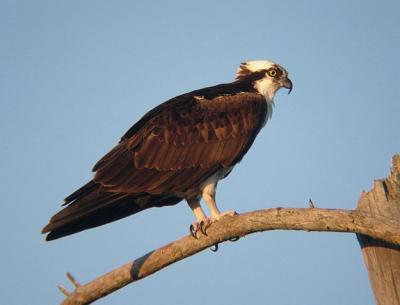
(236, 238)
(193, 231)
(215, 249)
(203, 227)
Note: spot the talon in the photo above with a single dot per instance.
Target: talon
(215, 249)
(203, 228)
(193, 231)
(236, 238)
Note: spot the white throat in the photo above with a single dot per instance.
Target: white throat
(266, 88)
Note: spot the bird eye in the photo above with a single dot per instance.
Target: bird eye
(272, 72)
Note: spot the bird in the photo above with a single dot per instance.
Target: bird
(177, 151)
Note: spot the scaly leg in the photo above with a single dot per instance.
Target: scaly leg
(208, 195)
(198, 212)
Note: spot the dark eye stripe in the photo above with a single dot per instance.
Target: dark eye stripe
(274, 72)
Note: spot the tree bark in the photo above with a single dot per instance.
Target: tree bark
(382, 259)
(310, 219)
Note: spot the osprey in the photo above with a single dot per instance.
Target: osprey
(178, 150)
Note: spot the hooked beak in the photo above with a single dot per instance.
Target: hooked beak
(287, 83)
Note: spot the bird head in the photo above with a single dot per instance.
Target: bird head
(266, 77)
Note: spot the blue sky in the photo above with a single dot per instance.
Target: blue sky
(75, 75)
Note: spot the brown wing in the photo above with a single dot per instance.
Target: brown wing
(170, 150)
(178, 145)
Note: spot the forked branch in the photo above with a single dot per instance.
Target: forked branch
(310, 219)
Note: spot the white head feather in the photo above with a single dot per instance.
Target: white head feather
(265, 86)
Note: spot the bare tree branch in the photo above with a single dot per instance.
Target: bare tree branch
(311, 219)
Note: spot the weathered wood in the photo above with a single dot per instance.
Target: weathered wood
(383, 259)
(309, 219)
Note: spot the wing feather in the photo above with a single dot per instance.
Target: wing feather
(178, 146)
(166, 155)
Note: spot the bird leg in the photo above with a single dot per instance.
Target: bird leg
(202, 221)
(201, 217)
(208, 195)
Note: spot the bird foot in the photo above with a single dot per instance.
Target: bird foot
(205, 223)
(223, 214)
(200, 226)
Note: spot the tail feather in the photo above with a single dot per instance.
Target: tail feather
(90, 207)
(90, 186)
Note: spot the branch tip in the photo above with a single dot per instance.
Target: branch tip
(63, 291)
(73, 280)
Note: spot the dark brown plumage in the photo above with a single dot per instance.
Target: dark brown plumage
(167, 154)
